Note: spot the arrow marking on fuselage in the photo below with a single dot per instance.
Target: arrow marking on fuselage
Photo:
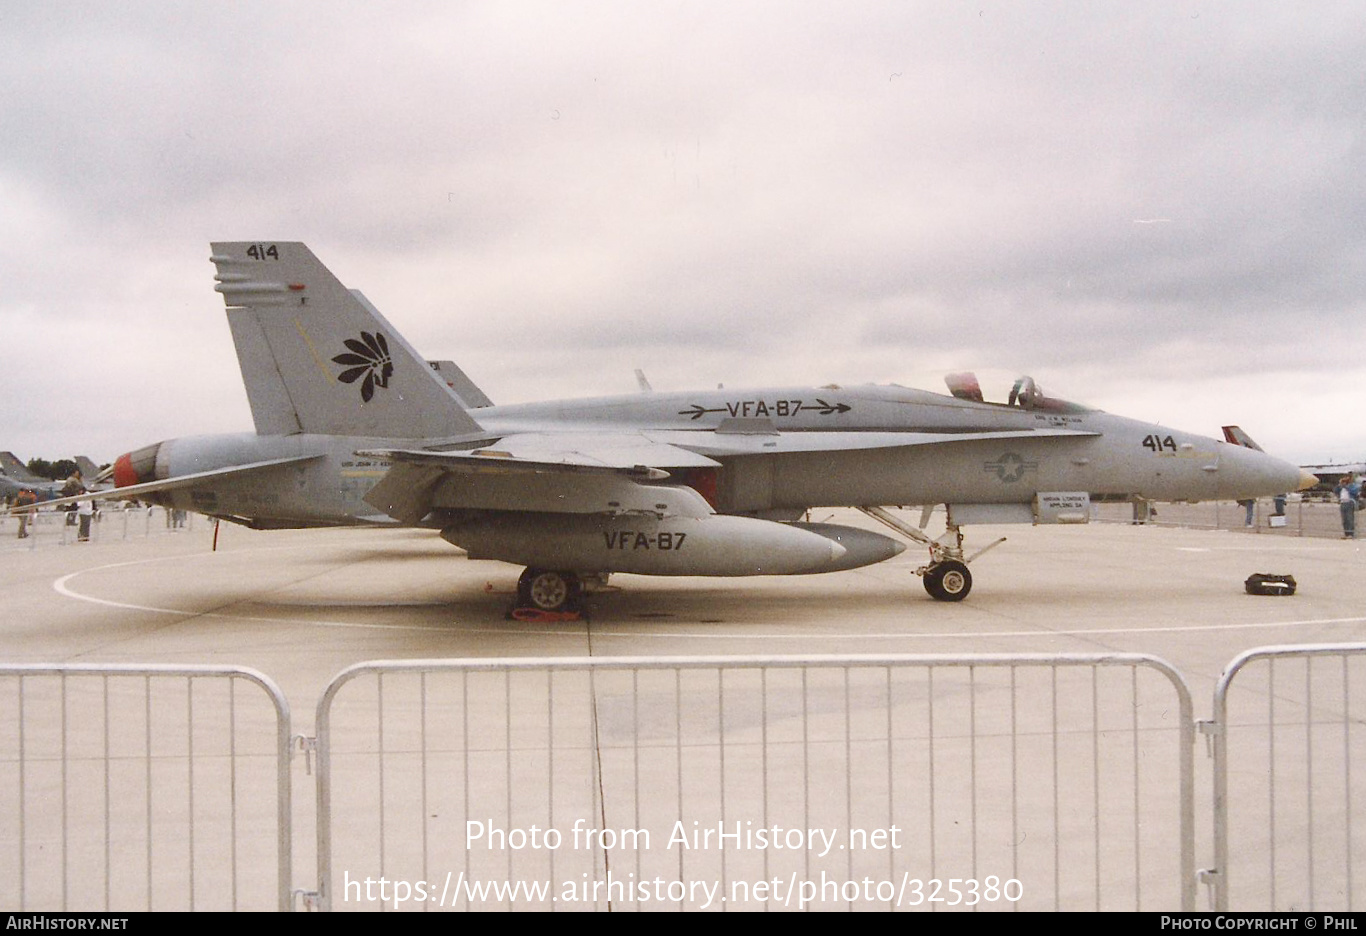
(746, 408)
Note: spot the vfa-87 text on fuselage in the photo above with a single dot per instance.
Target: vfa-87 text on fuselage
(354, 427)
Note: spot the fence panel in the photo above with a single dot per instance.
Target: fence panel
(904, 782)
(1290, 779)
(143, 788)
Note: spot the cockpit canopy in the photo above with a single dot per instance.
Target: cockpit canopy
(1025, 394)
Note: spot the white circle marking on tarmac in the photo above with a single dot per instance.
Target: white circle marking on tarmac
(61, 586)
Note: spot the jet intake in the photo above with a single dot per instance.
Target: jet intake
(712, 545)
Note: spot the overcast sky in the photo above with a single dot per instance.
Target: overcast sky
(1156, 209)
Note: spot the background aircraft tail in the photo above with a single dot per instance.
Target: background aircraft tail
(16, 470)
(89, 470)
(319, 358)
(471, 397)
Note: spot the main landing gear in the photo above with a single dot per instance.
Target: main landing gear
(946, 576)
(547, 596)
(549, 592)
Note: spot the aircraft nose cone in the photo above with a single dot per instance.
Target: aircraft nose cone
(1307, 480)
(1246, 472)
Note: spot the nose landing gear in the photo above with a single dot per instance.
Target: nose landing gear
(949, 580)
(946, 576)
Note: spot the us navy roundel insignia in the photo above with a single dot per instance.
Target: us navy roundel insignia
(370, 360)
(1010, 467)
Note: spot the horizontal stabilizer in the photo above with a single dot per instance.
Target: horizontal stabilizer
(406, 491)
(183, 481)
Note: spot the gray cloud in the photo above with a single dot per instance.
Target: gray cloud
(749, 193)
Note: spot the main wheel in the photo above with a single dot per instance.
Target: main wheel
(548, 591)
(948, 581)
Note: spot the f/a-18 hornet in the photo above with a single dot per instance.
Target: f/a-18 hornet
(353, 426)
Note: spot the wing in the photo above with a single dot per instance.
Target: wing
(602, 472)
(550, 472)
(752, 439)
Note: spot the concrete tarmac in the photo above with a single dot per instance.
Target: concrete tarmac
(302, 605)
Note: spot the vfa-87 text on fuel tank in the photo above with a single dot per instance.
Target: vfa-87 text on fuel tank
(636, 539)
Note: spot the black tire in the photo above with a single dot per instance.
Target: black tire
(948, 581)
(547, 590)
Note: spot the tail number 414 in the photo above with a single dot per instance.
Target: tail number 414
(1159, 444)
(263, 252)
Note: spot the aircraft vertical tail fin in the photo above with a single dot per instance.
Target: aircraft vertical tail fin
(471, 397)
(11, 466)
(317, 357)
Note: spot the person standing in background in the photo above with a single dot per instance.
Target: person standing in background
(1346, 494)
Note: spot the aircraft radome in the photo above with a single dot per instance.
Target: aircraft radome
(354, 427)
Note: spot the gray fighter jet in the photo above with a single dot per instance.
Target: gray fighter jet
(354, 427)
(46, 490)
(14, 469)
(15, 477)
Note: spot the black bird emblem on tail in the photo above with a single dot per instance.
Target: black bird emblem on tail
(369, 358)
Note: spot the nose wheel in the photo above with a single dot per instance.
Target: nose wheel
(949, 580)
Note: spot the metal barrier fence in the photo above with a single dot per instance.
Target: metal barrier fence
(1298, 517)
(1288, 773)
(899, 782)
(113, 522)
(143, 788)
